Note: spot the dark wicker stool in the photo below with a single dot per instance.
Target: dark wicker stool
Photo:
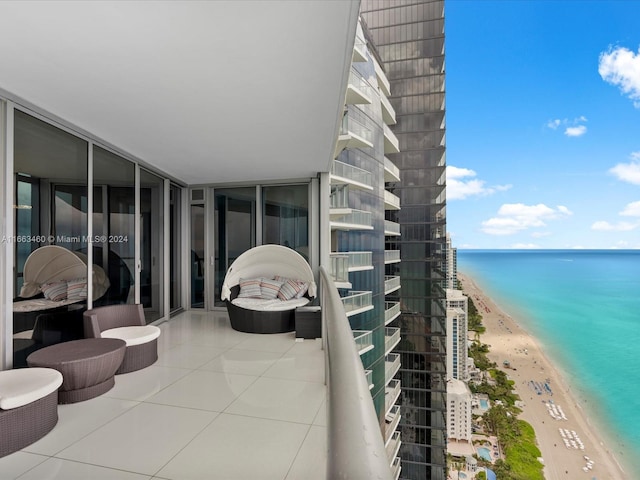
(87, 366)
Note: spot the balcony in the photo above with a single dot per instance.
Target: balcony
(391, 143)
(350, 219)
(388, 113)
(391, 394)
(391, 172)
(359, 261)
(391, 229)
(358, 90)
(391, 311)
(359, 50)
(391, 201)
(391, 421)
(393, 445)
(369, 376)
(353, 134)
(396, 466)
(339, 270)
(356, 302)
(364, 340)
(383, 82)
(391, 366)
(391, 338)
(391, 256)
(345, 174)
(391, 283)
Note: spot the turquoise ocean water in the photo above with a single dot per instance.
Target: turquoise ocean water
(584, 308)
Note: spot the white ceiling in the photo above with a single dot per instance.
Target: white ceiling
(208, 91)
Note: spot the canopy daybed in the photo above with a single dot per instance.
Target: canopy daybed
(264, 286)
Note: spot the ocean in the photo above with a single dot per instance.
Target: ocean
(584, 308)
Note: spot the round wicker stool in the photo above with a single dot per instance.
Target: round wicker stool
(87, 366)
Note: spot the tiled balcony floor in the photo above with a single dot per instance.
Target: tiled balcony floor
(218, 404)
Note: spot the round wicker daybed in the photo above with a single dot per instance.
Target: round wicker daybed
(264, 286)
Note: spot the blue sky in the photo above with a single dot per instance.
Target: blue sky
(543, 123)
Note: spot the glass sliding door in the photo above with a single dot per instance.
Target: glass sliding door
(175, 248)
(197, 255)
(285, 217)
(114, 224)
(152, 245)
(235, 229)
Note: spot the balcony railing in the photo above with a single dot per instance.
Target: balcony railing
(354, 128)
(383, 82)
(391, 228)
(391, 143)
(391, 394)
(357, 302)
(393, 446)
(391, 421)
(359, 49)
(359, 261)
(391, 311)
(358, 90)
(391, 366)
(344, 173)
(339, 267)
(388, 113)
(391, 283)
(396, 466)
(355, 446)
(391, 338)
(364, 340)
(391, 256)
(391, 172)
(369, 376)
(391, 201)
(355, 220)
(339, 196)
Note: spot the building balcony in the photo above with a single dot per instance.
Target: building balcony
(391, 283)
(391, 394)
(383, 82)
(359, 51)
(391, 229)
(391, 311)
(345, 174)
(391, 201)
(350, 219)
(388, 113)
(391, 338)
(393, 446)
(391, 172)
(391, 143)
(391, 256)
(391, 421)
(353, 134)
(339, 270)
(391, 366)
(396, 467)
(364, 340)
(356, 302)
(359, 261)
(358, 90)
(369, 376)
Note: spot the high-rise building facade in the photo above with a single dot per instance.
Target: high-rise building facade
(409, 35)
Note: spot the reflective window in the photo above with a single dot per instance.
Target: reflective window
(285, 217)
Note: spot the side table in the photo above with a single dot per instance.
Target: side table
(308, 320)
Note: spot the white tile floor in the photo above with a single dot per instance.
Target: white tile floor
(218, 404)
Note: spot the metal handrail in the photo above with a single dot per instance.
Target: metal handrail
(355, 444)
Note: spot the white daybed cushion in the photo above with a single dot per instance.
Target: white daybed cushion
(134, 335)
(37, 304)
(269, 305)
(26, 385)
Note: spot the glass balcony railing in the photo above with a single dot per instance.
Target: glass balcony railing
(391, 256)
(391, 338)
(391, 311)
(364, 340)
(339, 196)
(391, 420)
(391, 201)
(396, 466)
(360, 261)
(358, 90)
(391, 143)
(345, 173)
(391, 283)
(352, 127)
(356, 220)
(391, 172)
(339, 268)
(355, 302)
(388, 112)
(393, 445)
(359, 50)
(391, 228)
(369, 376)
(391, 394)
(391, 365)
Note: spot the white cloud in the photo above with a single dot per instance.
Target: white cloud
(631, 210)
(621, 67)
(554, 124)
(603, 226)
(460, 186)
(628, 172)
(515, 217)
(575, 131)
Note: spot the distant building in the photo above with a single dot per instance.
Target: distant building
(458, 411)
(457, 344)
(451, 265)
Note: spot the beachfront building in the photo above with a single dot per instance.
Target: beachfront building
(451, 265)
(205, 147)
(459, 400)
(457, 299)
(409, 35)
(457, 350)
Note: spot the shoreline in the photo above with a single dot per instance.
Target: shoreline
(543, 389)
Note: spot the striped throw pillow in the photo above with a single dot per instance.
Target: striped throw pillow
(250, 288)
(55, 291)
(290, 289)
(269, 288)
(77, 289)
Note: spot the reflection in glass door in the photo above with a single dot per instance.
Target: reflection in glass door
(151, 245)
(175, 248)
(235, 220)
(197, 255)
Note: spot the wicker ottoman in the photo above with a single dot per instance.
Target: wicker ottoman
(87, 366)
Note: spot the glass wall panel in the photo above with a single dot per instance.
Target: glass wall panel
(175, 252)
(114, 224)
(151, 245)
(235, 221)
(197, 256)
(285, 217)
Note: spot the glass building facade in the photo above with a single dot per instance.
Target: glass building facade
(409, 36)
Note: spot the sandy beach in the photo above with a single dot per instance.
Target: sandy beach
(564, 443)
